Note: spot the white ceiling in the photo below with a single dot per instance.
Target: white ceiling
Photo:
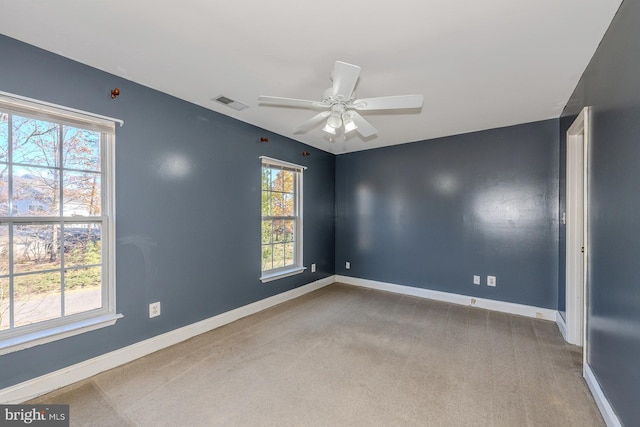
(479, 64)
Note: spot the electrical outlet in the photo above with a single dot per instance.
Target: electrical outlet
(491, 280)
(154, 309)
(347, 265)
(476, 280)
(313, 268)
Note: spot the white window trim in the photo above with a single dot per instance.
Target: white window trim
(56, 329)
(43, 107)
(268, 277)
(271, 275)
(44, 336)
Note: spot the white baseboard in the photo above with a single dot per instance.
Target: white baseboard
(610, 417)
(562, 325)
(44, 384)
(505, 307)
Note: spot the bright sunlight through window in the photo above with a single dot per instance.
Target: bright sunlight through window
(281, 219)
(55, 220)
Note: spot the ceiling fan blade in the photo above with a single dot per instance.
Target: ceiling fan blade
(309, 124)
(389, 102)
(364, 128)
(345, 77)
(292, 102)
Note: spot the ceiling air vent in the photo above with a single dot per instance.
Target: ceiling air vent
(239, 106)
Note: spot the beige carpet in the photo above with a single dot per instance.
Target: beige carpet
(348, 356)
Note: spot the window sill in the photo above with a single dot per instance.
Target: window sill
(55, 333)
(281, 274)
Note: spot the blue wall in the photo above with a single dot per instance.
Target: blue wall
(188, 206)
(611, 86)
(434, 213)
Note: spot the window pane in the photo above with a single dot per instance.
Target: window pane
(289, 230)
(36, 191)
(36, 298)
(4, 304)
(278, 256)
(288, 205)
(80, 149)
(35, 142)
(266, 203)
(4, 190)
(267, 231)
(82, 244)
(36, 247)
(277, 207)
(273, 179)
(267, 260)
(4, 136)
(81, 193)
(278, 231)
(283, 181)
(266, 179)
(289, 251)
(4, 249)
(277, 184)
(82, 290)
(287, 181)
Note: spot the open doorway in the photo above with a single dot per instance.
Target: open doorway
(577, 238)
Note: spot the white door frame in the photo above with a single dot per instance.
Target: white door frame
(577, 249)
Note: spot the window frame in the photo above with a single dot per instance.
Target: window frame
(298, 267)
(15, 339)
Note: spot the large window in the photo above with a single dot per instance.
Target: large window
(281, 219)
(56, 223)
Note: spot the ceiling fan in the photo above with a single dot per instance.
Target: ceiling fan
(341, 105)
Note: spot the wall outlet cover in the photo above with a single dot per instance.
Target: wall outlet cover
(491, 280)
(476, 280)
(154, 309)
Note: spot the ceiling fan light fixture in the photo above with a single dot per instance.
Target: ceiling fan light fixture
(329, 129)
(334, 121)
(349, 124)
